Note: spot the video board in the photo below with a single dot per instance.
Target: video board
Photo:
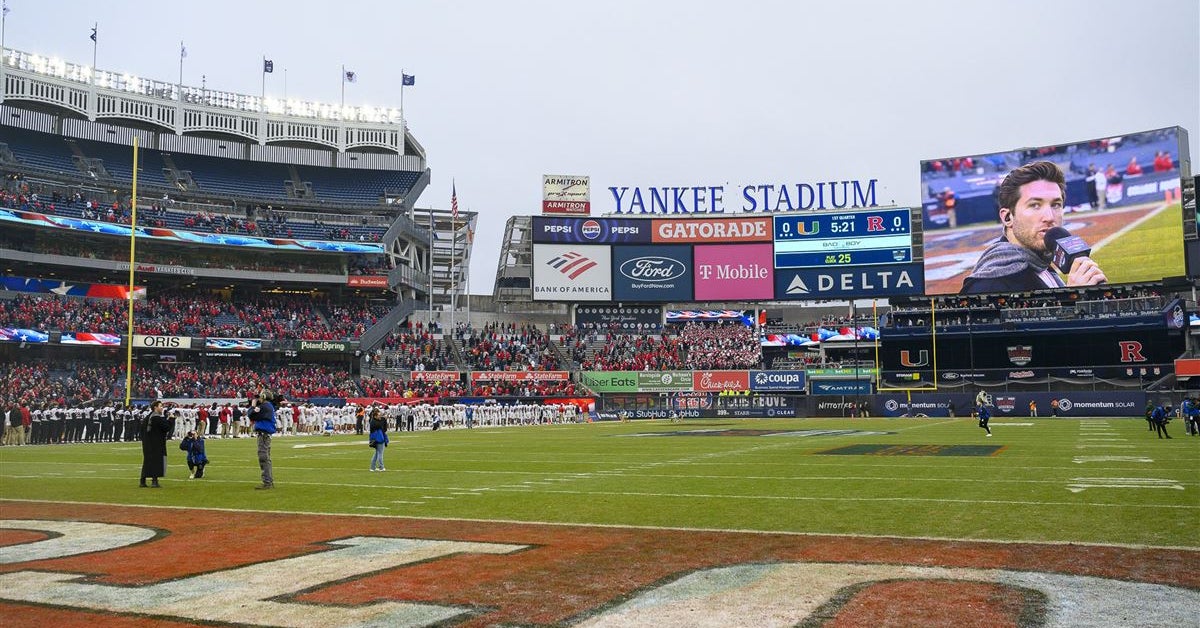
(845, 254)
(1120, 207)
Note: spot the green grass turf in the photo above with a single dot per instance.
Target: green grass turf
(604, 474)
(1151, 251)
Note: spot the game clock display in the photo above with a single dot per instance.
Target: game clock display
(843, 239)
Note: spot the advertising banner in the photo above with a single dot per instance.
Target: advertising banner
(550, 230)
(14, 334)
(324, 346)
(664, 381)
(624, 318)
(713, 230)
(74, 289)
(572, 272)
(233, 344)
(652, 273)
(566, 194)
(85, 338)
(719, 381)
(777, 380)
(610, 381)
(441, 377)
(520, 376)
(367, 281)
(1069, 404)
(730, 272)
(840, 372)
(162, 342)
(849, 281)
(840, 387)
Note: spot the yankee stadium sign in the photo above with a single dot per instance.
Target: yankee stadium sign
(764, 197)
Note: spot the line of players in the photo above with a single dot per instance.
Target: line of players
(91, 424)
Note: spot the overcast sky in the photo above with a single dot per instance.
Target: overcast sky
(641, 93)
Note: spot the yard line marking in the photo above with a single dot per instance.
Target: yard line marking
(1109, 446)
(1083, 459)
(373, 507)
(435, 497)
(1082, 484)
(400, 501)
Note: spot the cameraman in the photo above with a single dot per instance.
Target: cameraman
(262, 414)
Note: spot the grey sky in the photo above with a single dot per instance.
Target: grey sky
(673, 93)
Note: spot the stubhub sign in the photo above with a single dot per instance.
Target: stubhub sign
(777, 380)
(549, 230)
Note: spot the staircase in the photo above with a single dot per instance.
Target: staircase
(6, 154)
(91, 167)
(181, 179)
(294, 187)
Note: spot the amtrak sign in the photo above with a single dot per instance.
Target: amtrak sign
(727, 199)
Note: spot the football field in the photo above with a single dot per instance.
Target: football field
(705, 522)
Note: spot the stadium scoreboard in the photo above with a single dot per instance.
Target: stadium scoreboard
(843, 239)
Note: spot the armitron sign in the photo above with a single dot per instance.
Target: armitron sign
(566, 194)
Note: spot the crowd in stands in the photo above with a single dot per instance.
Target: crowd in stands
(151, 252)
(959, 310)
(508, 347)
(278, 318)
(412, 349)
(632, 352)
(721, 346)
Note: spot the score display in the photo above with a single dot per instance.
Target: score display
(843, 239)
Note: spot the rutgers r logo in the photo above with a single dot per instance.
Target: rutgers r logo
(906, 358)
(1131, 351)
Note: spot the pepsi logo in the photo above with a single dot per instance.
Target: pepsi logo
(590, 229)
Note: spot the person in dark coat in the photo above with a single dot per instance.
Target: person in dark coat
(154, 444)
(193, 444)
(379, 439)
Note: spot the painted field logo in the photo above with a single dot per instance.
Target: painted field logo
(590, 229)
(1020, 354)
(652, 268)
(571, 264)
(139, 566)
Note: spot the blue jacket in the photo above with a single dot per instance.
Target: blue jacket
(195, 450)
(264, 417)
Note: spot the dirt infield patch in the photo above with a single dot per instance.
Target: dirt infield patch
(913, 450)
(199, 567)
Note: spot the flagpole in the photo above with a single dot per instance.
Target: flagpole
(3, 28)
(402, 108)
(343, 91)
(132, 266)
(263, 96)
(430, 269)
(182, 54)
(95, 42)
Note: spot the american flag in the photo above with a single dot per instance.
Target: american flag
(453, 201)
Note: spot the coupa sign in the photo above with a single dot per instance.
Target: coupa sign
(777, 380)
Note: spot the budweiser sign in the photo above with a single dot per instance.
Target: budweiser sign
(367, 281)
(520, 376)
(717, 381)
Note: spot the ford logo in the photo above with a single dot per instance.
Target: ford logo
(652, 268)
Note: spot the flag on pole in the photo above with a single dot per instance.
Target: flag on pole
(268, 66)
(182, 51)
(408, 79)
(6, 7)
(93, 37)
(351, 76)
(453, 201)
